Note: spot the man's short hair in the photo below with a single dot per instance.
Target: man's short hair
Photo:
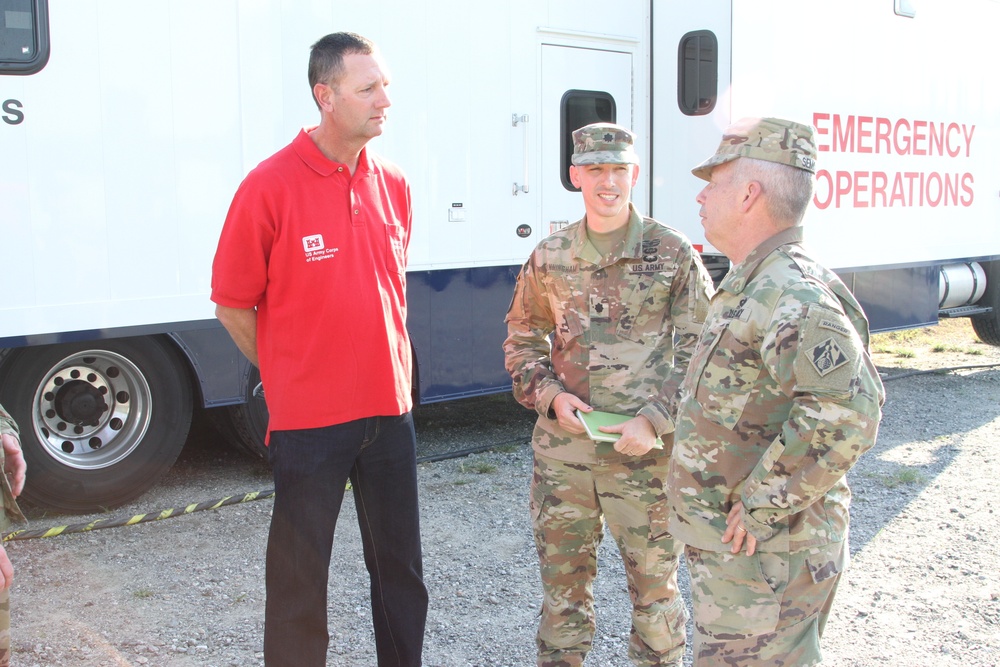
(326, 59)
(787, 190)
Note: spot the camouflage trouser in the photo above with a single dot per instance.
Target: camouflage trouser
(4, 626)
(569, 504)
(764, 610)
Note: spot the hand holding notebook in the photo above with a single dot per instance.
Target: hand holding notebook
(592, 421)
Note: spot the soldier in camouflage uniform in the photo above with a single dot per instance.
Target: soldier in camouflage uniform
(780, 400)
(610, 292)
(12, 469)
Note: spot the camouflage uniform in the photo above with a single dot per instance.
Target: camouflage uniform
(780, 400)
(9, 513)
(612, 322)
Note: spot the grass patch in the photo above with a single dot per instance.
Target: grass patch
(941, 347)
(902, 352)
(478, 468)
(904, 337)
(904, 476)
(900, 477)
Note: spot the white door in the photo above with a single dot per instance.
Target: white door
(579, 86)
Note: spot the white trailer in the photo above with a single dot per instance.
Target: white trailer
(907, 206)
(126, 126)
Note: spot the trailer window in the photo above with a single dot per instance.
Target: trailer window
(24, 36)
(698, 73)
(579, 108)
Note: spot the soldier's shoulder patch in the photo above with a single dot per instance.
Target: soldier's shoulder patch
(830, 351)
(827, 357)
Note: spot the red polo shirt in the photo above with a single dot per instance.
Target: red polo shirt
(322, 256)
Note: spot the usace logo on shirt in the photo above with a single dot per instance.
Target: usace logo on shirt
(315, 249)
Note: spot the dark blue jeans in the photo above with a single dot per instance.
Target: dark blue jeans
(311, 468)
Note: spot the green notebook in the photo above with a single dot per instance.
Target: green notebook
(592, 421)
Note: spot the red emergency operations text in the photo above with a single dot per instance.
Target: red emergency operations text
(915, 140)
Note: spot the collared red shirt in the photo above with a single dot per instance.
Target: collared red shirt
(321, 254)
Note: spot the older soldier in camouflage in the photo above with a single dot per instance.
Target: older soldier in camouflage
(592, 325)
(12, 469)
(780, 400)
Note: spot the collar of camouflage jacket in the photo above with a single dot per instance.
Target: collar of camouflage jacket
(741, 274)
(630, 248)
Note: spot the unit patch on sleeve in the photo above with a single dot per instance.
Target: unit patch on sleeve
(829, 352)
(827, 357)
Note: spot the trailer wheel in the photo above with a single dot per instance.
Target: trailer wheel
(100, 422)
(245, 425)
(987, 326)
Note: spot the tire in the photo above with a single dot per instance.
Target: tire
(244, 426)
(101, 422)
(987, 326)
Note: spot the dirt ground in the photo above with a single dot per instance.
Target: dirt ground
(923, 588)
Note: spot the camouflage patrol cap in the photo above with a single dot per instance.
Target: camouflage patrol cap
(604, 143)
(771, 139)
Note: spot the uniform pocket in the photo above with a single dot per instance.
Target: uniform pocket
(732, 595)
(827, 561)
(646, 308)
(727, 376)
(658, 514)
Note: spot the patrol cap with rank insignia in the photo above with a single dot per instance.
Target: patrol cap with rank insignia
(604, 143)
(771, 139)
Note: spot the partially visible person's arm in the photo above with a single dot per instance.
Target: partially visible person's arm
(241, 323)
(527, 350)
(14, 465)
(6, 570)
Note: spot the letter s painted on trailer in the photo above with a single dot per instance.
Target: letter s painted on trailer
(12, 112)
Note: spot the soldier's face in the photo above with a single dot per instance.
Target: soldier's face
(719, 204)
(606, 189)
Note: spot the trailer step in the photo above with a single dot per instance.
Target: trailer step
(964, 311)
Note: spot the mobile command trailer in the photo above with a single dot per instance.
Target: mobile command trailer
(907, 112)
(126, 127)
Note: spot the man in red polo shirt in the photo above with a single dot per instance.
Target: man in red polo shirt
(309, 279)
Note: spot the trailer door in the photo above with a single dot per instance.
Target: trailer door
(579, 86)
(691, 104)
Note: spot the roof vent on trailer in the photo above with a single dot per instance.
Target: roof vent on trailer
(905, 8)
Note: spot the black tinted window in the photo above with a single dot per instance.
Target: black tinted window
(579, 108)
(24, 39)
(698, 73)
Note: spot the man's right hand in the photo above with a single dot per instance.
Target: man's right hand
(565, 405)
(241, 323)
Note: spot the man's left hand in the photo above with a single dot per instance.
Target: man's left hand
(737, 533)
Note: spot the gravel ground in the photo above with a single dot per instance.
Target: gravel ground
(924, 587)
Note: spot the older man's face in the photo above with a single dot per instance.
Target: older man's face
(720, 203)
